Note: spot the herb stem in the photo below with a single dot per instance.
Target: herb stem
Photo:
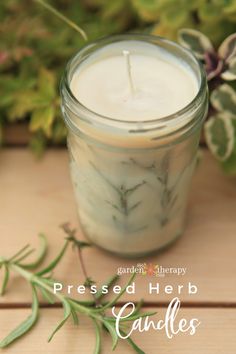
(41, 282)
(34, 279)
(63, 18)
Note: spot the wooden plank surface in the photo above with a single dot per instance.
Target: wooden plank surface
(215, 335)
(37, 196)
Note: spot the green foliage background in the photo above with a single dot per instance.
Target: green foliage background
(35, 46)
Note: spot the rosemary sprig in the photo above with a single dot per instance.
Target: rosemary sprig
(58, 14)
(122, 192)
(42, 282)
(168, 197)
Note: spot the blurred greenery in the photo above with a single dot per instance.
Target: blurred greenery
(220, 68)
(35, 45)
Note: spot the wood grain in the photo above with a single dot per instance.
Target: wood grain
(215, 335)
(37, 196)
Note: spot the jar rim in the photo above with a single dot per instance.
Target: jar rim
(66, 91)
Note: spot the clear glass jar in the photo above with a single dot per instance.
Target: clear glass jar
(131, 179)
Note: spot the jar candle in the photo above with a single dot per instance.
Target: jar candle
(134, 106)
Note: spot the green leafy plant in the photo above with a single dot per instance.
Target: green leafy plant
(42, 44)
(220, 66)
(33, 51)
(216, 18)
(41, 281)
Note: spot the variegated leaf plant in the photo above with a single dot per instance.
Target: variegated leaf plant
(220, 66)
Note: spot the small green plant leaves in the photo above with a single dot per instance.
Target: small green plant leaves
(195, 41)
(5, 279)
(134, 317)
(109, 282)
(97, 349)
(175, 18)
(67, 313)
(47, 296)
(223, 99)
(43, 282)
(38, 143)
(41, 255)
(133, 345)
(24, 255)
(24, 326)
(19, 253)
(42, 118)
(116, 298)
(227, 49)
(77, 243)
(47, 84)
(219, 132)
(54, 263)
(23, 102)
(229, 166)
(230, 73)
(74, 316)
(111, 329)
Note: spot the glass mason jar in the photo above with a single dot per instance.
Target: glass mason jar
(131, 179)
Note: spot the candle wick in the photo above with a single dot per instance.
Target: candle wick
(126, 54)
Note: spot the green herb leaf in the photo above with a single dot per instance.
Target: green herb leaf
(108, 283)
(25, 326)
(97, 349)
(19, 253)
(24, 255)
(41, 255)
(47, 296)
(5, 279)
(111, 329)
(55, 262)
(75, 316)
(113, 302)
(72, 307)
(67, 313)
(132, 317)
(63, 18)
(133, 345)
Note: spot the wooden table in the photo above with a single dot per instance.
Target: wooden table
(37, 196)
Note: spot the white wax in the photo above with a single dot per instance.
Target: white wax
(132, 200)
(163, 84)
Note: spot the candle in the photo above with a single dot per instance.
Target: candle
(134, 106)
(159, 86)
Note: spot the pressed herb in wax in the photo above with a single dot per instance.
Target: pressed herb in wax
(135, 107)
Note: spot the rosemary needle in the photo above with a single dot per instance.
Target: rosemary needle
(42, 282)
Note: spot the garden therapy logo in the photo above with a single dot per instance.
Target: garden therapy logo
(151, 269)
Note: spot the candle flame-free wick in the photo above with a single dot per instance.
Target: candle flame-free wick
(126, 54)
